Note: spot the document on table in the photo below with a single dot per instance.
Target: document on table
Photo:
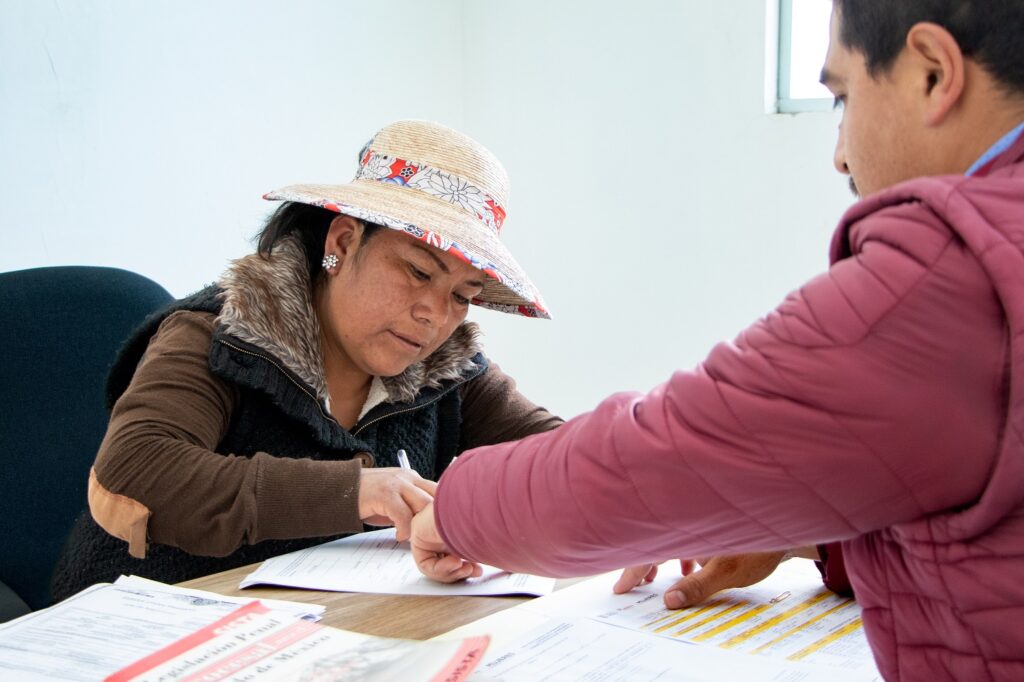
(788, 625)
(584, 649)
(257, 643)
(312, 612)
(105, 627)
(377, 563)
(784, 616)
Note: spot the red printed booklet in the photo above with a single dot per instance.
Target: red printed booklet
(257, 643)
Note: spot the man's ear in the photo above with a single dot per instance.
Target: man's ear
(343, 237)
(939, 69)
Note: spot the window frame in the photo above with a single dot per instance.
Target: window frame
(783, 38)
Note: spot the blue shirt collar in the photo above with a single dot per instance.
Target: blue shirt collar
(1004, 143)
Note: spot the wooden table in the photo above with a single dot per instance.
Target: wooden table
(384, 615)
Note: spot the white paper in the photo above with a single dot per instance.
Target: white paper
(588, 650)
(256, 643)
(832, 647)
(376, 563)
(103, 628)
(98, 631)
(790, 615)
(313, 612)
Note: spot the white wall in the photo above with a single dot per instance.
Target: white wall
(142, 134)
(655, 204)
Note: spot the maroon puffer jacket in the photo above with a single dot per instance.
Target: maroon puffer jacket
(881, 404)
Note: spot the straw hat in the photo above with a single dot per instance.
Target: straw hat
(443, 188)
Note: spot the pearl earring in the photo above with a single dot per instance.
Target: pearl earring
(330, 260)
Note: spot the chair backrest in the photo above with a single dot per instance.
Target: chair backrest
(60, 329)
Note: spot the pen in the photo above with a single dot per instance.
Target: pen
(403, 459)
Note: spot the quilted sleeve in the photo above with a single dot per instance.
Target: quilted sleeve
(872, 395)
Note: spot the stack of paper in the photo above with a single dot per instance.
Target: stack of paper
(141, 630)
(257, 643)
(377, 563)
(105, 627)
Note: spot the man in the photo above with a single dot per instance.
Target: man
(881, 404)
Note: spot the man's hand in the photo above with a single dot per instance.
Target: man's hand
(716, 573)
(392, 496)
(434, 559)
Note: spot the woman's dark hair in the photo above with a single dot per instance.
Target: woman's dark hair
(988, 31)
(309, 225)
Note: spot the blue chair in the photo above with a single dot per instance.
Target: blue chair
(60, 329)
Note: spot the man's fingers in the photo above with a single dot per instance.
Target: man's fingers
(427, 562)
(432, 557)
(450, 564)
(718, 573)
(693, 589)
(445, 568)
(635, 576)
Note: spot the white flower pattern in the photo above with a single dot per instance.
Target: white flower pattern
(435, 182)
(452, 189)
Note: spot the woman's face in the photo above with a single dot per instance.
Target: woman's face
(390, 301)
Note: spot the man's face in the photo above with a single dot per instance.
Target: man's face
(876, 140)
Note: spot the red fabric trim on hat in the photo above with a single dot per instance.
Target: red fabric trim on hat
(435, 182)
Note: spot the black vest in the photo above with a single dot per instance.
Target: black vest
(279, 414)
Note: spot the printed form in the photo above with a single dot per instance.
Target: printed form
(784, 616)
(788, 627)
(105, 627)
(584, 649)
(377, 563)
(257, 643)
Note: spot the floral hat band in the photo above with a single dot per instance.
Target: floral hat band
(435, 182)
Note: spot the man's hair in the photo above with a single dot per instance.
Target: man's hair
(991, 32)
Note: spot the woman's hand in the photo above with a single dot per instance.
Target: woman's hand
(716, 573)
(432, 557)
(391, 496)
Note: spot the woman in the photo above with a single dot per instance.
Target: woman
(263, 414)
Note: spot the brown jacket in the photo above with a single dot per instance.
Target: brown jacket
(158, 479)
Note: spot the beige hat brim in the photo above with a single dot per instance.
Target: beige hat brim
(436, 222)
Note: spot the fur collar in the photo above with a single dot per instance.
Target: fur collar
(268, 303)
